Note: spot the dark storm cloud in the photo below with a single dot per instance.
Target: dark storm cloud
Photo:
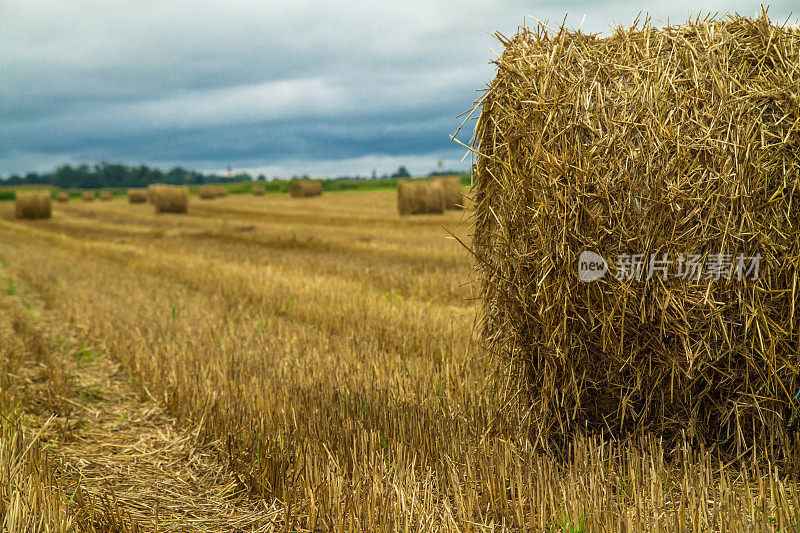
(257, 84)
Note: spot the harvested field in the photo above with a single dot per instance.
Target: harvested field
(304, 367)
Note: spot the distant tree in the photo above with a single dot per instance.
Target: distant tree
(88, 178)
(116, 175)
(67, 177)
(196, 178)
(33, 177)
(176, 176)
(113, 175)
(155, 175)
(402, 172)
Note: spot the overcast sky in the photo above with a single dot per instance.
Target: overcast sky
(283, 88)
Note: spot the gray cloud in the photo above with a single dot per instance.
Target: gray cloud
(270, 85)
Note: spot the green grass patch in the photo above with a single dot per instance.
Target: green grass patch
(85, 354)
(10, 286)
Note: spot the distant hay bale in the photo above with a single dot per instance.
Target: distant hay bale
(137, 196)
(677, 148)
(420, 198)
(106, 196)
(88, 196)
(453, 192)
(150, 189)
(32, 204)
(206, 192)
(62, 197)
(305, 188)
(258, 190)
(170, 198)
(209, 192)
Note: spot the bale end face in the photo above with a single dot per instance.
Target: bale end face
(32, 205)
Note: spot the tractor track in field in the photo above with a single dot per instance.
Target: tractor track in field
(125, 463)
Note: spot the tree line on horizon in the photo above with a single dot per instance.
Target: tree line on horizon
(115, 175)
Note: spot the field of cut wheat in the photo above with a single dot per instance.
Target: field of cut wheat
(268, 363)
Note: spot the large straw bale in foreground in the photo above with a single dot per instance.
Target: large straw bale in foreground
(419, 198)
(137, 196)
(305, 188)
(670, 143)
(170, 198)
(32, 204)
(88, 196)
(62, 197)
(453, 192)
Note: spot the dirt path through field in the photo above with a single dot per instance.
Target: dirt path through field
(136, 467)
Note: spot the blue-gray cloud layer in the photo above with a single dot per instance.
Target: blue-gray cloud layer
(336, 87)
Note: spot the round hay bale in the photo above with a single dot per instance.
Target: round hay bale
(137, 196)
(32, 204)
(209, 192)
(420, 198)
(653, 147)
(205, 192)
(453, 192)
(88, 196)
(305, 188)
(62, 197)
(258, 190)
(150, 189)
(105, 196)
(170, 198)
